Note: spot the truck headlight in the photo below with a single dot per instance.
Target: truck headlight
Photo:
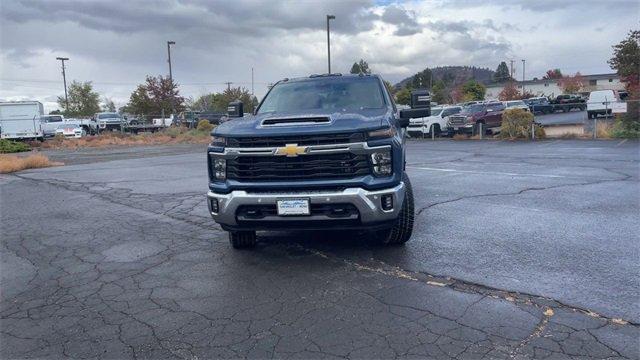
(381, 134)
(381, 161)
(218, 141)
(219, 168)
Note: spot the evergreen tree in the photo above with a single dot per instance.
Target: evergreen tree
(502, 73)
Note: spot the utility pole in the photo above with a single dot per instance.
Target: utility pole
(329, 17)
(64, 79)
(228, 85)
(523, 61)
(511, 68)
(173, 107)
(251, 81)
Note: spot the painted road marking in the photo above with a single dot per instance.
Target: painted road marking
(488, 172)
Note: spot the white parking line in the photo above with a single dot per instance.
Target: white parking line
(486, 172)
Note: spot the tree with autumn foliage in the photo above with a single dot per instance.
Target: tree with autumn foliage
(553, 74)
(626, 62)
(509, 92)
(571, 84)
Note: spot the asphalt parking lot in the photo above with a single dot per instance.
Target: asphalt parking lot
(521, 250)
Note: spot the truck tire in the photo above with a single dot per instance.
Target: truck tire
(435, 129)
(242, 239)
(401, 230)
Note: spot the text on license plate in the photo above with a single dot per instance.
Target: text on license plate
(293, 207)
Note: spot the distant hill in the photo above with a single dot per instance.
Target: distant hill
(454, 76)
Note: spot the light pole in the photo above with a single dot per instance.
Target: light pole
(64, 79)
(169, 43)
(329, 17)
(523, 61)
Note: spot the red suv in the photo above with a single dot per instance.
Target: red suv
(489, 114)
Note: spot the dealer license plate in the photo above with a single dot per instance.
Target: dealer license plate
(293, 207)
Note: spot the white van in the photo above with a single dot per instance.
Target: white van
(21, 120)
(601, 102)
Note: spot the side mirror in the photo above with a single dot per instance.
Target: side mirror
(235, 109)
(407, 114)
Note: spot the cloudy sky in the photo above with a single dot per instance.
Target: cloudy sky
(116, 44)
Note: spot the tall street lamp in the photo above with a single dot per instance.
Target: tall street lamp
(64, 79)
(169, 43)
(329, 17)
(523, 61)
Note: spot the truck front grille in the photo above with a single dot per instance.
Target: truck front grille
(306, 167)
(457, 120)
(317, 139)
(337, 211)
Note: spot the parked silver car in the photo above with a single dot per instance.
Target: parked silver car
(71, 130)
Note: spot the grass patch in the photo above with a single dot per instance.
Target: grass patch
(570, 135)
(173, 135)
(13, 163)
(604, 130)
(8, 146)
(460, 137)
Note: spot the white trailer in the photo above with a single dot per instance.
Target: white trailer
(21, 120)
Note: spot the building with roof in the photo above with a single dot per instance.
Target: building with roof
(550, 87)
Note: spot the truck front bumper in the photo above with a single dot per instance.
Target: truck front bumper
(368, 205)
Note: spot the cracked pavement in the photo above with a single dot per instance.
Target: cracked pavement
(521, 250)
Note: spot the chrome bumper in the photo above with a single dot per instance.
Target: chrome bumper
(368, 203)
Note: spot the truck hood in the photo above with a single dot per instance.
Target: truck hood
(339, 122)
(471, 114)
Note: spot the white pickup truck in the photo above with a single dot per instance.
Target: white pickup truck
(437, 122)
(21, 120)
(51, 123)
(604, 102)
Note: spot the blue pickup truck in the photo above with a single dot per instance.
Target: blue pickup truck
(320, 152)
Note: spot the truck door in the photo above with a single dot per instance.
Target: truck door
(495, 116)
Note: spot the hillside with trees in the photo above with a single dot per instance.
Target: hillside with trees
(450, 75)
(450, 83)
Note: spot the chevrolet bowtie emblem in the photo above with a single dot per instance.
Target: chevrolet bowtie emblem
(291, 150)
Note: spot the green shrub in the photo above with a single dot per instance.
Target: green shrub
(172, 132)
(625, 129)
(204, 125)
(8, 146)
(516, 123)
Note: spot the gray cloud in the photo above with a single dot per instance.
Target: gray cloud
(116, 45)
(404, 20)
(548, 6)
(238, 17)
(465, 26)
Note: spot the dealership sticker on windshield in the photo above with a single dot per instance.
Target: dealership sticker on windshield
(293, 207)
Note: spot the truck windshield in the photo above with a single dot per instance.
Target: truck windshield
(472, 109)
(436, 111)
(108, 116)
(332, 94)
